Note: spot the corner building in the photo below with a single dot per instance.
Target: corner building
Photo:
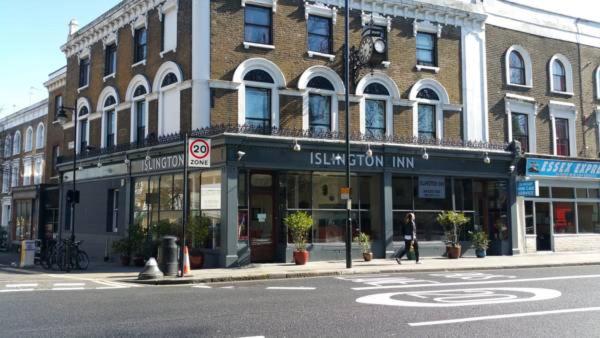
(263, 80)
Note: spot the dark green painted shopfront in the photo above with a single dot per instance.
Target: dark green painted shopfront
(254, 181)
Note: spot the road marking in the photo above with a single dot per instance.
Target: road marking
(15, 290)
(254, 337)
(227, 287)
(510, 315)
(460, 297)
(68, 284)
(476, 283)
(470, 275)
(290, 288)
(111, 285)
(27, 285)
(67, 289)
(202, 286)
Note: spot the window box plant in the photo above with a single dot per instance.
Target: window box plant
(480, 242)
(365, 244)
(453, 223)
(299, 224)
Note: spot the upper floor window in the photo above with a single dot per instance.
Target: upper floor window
(426, 49)
(110, 59)
(375, 110)
(14, 180)
(258, 99)
(139, 114)
(17, 143)
(109, 121)
(562, 136)
(29, 139)
(6, 178)
(427, 114)
(169, 79)
(169, 26)
(258, 25)
(559, 76)
(83, 128)
(7, 146)
(58, 102)
(428, 94)
(140, 44)
(38, 170)
(520, 130)
(39, 136)
(84, 72)
(319, 34)
(27, 172)
(55, 156)
(319, 105)
(517, 68)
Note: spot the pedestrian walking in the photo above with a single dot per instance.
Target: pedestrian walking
(409, 232)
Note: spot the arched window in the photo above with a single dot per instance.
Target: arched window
(169, 80)
(258, 99)
(7, 146)
(517, 68)
(559, 76)
(136, 93)
(29, 139)
(83, 111)
(319, 105)
(376, 89)
(430, 101)
(83, 128)
(428, 94)
(320, 86)
(39, 136)
(17, 143)
(375, 110)
(139, 91)
(427, 113)
(109, 122)
(167, 84)
(377, 93)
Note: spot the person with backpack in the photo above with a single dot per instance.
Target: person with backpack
(409, 233)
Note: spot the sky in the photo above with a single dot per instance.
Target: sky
(32, 31)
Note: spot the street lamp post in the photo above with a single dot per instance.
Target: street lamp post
(62, 119)
(347, 106)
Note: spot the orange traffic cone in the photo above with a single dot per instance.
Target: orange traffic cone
(186, 261)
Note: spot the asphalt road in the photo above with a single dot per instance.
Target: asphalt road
(546, 302)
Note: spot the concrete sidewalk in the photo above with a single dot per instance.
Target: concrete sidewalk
(115, 272)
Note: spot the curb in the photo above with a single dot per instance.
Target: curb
(337, 272)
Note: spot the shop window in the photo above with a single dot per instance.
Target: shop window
(112, 212)
(402, 190)
(529, 219)
(594, 193)
(22, 221)
(257, 25)
(562, 192)
(564, 217)
(588, 217)
(581, 193)
(242, 206)
(463, 194)
(319, 34)
(298, 191)
(544, 192)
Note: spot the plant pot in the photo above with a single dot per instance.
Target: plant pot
(300, 257)
(480, 253)
(453, 251)
(368, 256)
(196, 260)
(138, 261)
(125, 260)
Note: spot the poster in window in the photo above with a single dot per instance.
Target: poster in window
(432, 187)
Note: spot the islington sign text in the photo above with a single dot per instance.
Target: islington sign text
(360, 160)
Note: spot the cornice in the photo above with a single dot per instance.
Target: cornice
(110, 22)
(24, 115)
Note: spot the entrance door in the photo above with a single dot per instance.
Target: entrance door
(542, 226)
(262, 242)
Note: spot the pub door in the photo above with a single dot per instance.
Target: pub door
(261, 217)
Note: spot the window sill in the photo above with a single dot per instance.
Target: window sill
(109, 76)
(162, 54)
(519, 85)
(386, 64)
(80, 89)
(562, 93)
(422, 68)
(312, 54)
(247, 45)
(143, 62)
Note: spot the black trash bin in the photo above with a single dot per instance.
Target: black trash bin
(168, 256)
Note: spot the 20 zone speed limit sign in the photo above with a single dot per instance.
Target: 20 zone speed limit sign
(199, 153)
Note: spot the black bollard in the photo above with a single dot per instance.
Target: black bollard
(168, 256)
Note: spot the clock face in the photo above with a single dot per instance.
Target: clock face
(365, 50)
(379, 46)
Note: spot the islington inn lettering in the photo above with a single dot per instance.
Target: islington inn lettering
(163, 163)
(360, 160)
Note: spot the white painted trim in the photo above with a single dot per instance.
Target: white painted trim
(421, 68)
(474, 84)
(137, 80)
(338, 86)
(568, 74)
(515, 103)
(109, 76)
(139, 22)
(201, 65)
(16, 146)
(80, 89)
(247, 45)
(162, 54)
(378, 20)
(597, 78)
(439, 105)
(391, 87)
(223, 84)
(312, 54)
(81, 102)
(427, 27)
(520, 97)
(141, 62)
(320, 9)
(109, 39)
(104, 94)
(263, 3)
(597, 112)
(565, 110)
(526, 63)
(37, 131)
(28, 145)
(164, 69)
(386, 64)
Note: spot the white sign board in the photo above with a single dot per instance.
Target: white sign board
(199, 153)
(432, 187)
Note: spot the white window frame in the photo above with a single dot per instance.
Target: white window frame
(522, 105)
(81, 102)
(440, 106)
(278, 79)
(568, 75)
(564, 110)
(264, 3)
(38, 171)
(526, 63)
(136, 81)
(27, 171)
(338, 86)
(324, 11)
(169, 8)
(14, 179)
(431, 28)
(597, 77)
(40, 136)
(106, 93)
(394, 96)
(84, 54)
(7, 146)
(164, 70)
(16, 145)
(6, 177)
(28, 139)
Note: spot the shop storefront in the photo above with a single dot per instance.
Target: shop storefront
(562, 211)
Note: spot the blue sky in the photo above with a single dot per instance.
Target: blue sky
(31, 33)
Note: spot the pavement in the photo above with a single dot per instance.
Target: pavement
(115, 272)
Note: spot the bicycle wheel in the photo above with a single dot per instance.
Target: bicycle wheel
(83, 260)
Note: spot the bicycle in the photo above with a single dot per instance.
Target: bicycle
(81, 257)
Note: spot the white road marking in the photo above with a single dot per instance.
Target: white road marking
(111, 285)
(202, 286)
(510, 315)
(470, 275)
(15, 290)
(67, 289)
(476, 283)
(26, 285)
(254, 337)
(68, 284)
(290, 288)
(460, 297)
(227, 287)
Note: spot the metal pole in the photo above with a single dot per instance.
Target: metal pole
(347, 108)
(185, 200)
(74, 173)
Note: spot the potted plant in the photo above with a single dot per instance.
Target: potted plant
(123, 248)
(197, 232)
(136, 239)
(453, 223)
(299, 224)
(480, 242)
(365, 244)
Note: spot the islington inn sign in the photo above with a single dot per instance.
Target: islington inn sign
(360, 160)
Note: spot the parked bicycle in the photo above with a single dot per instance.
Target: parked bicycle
(65, 255)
